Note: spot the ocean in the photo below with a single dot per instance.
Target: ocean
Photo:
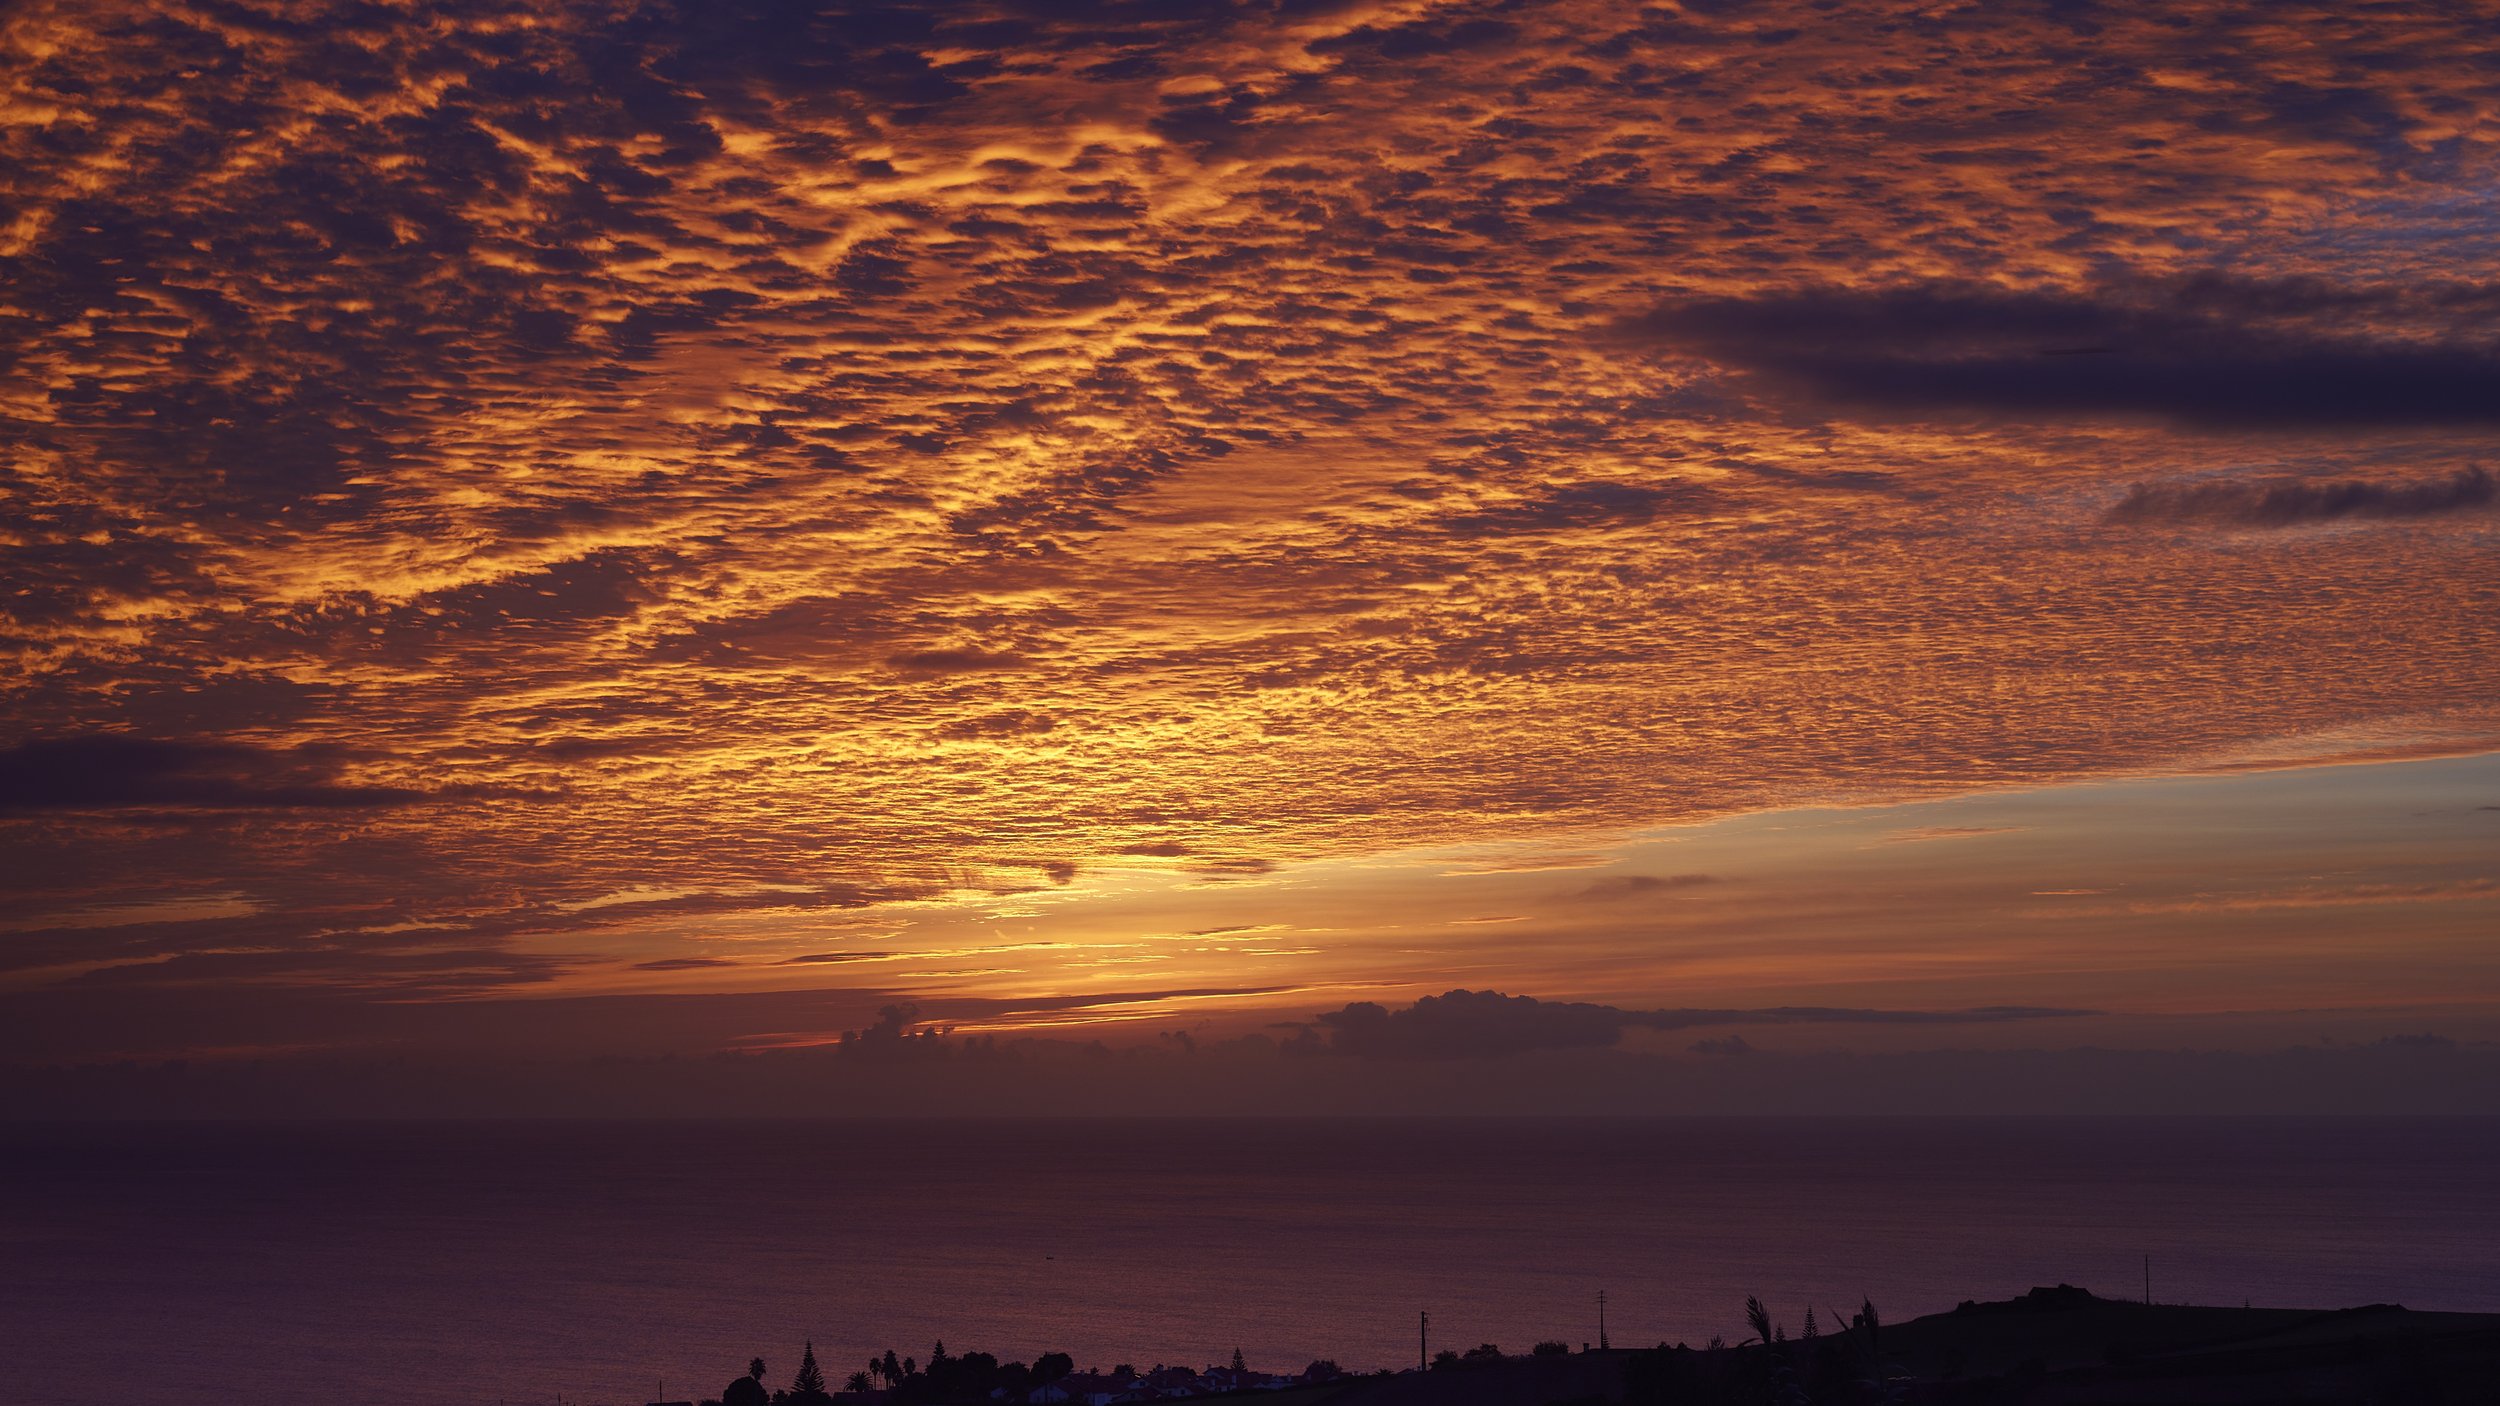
(520, 1262)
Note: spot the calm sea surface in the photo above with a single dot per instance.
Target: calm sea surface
(484, 1262)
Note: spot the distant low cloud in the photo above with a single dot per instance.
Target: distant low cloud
(2281, 502)
(2213, 353)
(1622, 886)
(1488, 1024)
(1924, 833)
(1231, 867)
(1469, 1024)
(953, 661)
(448, 974)
(1575, 506)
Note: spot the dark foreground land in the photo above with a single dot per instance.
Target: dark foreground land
(2052, 1347)
(2059, 1346)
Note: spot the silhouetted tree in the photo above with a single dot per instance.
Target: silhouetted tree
(1238, 1364)
(1051, 1366)
(858, 1381)
(1758, 1318)
(971, 1377)
(746, 1391)
(1550, 1348)
(1444, 1360)
(1869, 1368)
(1482, 1352)
(755, 1368)
(808, 1387)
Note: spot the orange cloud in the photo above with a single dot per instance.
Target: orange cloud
(466, 471)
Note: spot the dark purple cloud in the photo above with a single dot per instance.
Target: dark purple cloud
(1622, 886)
(2209, 354)
(100, 772)
(2285, 502)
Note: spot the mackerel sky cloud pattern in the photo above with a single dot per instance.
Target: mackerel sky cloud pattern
(535, 495)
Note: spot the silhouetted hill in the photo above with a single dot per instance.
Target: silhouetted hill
(2059, 1346)
(2053, 1346)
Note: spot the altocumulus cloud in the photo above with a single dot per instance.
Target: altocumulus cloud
(689, 429)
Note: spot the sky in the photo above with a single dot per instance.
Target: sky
(1163, 553)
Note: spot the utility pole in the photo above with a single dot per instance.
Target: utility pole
(1423, 1341)
(1601, 1320)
